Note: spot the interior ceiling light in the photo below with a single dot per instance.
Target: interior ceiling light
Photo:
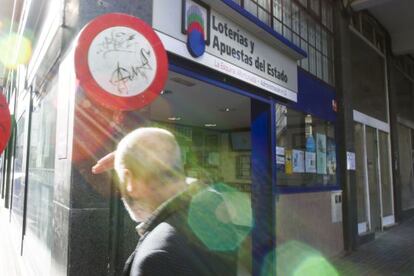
(183, 82)
(210, 125)
(174, 118)
(227, 109)
(166, 92)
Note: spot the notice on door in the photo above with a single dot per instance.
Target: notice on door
(350, 161)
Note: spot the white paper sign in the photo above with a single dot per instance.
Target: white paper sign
(280, 160)
(350, 161)
(310, 161)
(280, 151)
(298, 161)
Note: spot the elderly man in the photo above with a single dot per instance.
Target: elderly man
(152, 185)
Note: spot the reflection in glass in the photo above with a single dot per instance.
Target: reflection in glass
(373, 184)
(40, 184)
(360, 177)
(18, 175)
(386, 184)
(406, 167)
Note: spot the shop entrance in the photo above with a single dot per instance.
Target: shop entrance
(222, 135)
(373, 174)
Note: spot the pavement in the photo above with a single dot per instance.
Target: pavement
(390, 254)
(10, 260)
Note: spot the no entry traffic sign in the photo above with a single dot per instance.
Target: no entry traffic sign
(5, 123)
(120, 62)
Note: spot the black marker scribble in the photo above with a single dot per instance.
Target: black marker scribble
(121, 75)
(118, 41)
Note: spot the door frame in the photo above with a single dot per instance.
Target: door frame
(378, 125)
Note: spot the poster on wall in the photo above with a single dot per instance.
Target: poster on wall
(331, 156)
(350, 161)
(280, 159)
(288, 162)
(310, 162)
(321, 153)
(298, 157)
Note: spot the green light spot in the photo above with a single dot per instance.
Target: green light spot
(221, 217)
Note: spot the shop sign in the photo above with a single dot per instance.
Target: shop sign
(5, 122)
(191, 29)
(120, 62)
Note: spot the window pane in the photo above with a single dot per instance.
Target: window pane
(318, 38)
(324, 13)
(304, 46)
(319, 64)
(324, 42)
(41, 179)
(406, 167)
(325, 66)
(287, 19)
(304, 25)
(287, 33)
(295, 39)
(312, 60)
(385, 174)
(264, 16)
(277, 26)
(295, 18)
(329, 16)
(265, 4)
(18, 175)
(360, 177)
(311, 32)
(368, 93)
(314, 5)
(304, 2)
(277, 9)
(306, 150)
(250, 6)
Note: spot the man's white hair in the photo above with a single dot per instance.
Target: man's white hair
(149, 152)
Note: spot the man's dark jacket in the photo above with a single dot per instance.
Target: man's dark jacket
(170, 247)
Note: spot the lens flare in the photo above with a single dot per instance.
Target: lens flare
(221, 217)
(8, 47)
(294, 258)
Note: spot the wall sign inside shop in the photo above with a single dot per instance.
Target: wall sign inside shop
(193, 30)
(5, 123)
(120, 62)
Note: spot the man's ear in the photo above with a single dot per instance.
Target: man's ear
(131, 185)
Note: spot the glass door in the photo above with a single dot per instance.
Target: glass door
(406, 165)
(373, 177)
(362, 195)
(387, 190)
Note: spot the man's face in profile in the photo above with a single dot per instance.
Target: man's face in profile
(131, 199)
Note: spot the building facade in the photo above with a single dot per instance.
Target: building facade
(298, 105)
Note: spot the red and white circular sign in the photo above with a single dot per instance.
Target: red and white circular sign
(5, 123)
(120, 62)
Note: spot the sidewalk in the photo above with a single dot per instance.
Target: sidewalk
(392, 253)
(10, 259)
